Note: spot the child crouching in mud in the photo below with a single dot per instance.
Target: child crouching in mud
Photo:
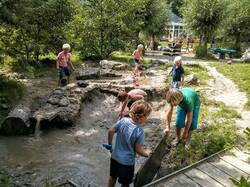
(129, 141)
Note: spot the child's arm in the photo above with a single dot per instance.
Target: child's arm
(182, 79)
(140, 150)
(188, 124)
(57, 63)
(70, 63)
(111, 133)
(168, 119)
(125, 103)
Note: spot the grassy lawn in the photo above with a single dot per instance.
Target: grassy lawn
(239, 73)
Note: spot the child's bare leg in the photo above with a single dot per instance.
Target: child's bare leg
(112, 181)
(178, 133)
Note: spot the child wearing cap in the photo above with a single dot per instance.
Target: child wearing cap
(63, 62)
(177, 73)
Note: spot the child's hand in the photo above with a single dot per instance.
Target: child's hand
(149, 152)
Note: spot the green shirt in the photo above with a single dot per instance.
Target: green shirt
(190, 99)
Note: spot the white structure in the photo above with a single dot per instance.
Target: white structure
(175, 27)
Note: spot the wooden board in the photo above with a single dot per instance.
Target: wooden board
(228, 168)
(216, 174)
(237, 163)
(148, 170)
(240, 155)
(179, 180)
(202, 179)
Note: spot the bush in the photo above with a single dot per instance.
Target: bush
(201, 52)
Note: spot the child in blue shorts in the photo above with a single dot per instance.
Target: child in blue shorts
(129, 141)
(188, 106)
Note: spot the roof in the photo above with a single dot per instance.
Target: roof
(174, 18)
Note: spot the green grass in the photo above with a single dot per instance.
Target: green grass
(239, 73)
(11, 91)
(126, 57)
(199, 71)
(5, 179)
(219, 133)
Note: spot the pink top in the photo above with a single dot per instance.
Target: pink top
(63, 59)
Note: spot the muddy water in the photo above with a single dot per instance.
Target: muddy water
(56, 155)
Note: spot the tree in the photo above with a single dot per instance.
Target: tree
(35, 27)
(156, 18)
(236, 22)
(176, 6)
(102, 26)
(203, 17)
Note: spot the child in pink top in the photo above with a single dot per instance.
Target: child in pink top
(63, 63)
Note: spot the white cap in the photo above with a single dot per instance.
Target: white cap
(140, 46)
(66, 46)
(177, 59)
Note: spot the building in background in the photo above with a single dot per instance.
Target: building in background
(175, 28)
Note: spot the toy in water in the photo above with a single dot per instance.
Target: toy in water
(108, 147)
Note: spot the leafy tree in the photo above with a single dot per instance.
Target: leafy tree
(157, 12)
(176, 6)
(203, 17)
(236, 21)
(102, 26)
(36, 28)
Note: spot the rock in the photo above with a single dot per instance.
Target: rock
(246, 56)
(191, 79)
(64, 102)
(159, 62)
(106, 64)
(89, 73)
(82, 84)
(108, 73)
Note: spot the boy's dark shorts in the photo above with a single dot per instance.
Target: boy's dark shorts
(64, 71)
(124, 173)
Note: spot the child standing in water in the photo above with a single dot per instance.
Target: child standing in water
(137, 57)
(129, 141)
(188, 106)
(63, 62)
(129, 98)
(177, 73)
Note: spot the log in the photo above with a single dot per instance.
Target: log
(148, 170)
(17, 122)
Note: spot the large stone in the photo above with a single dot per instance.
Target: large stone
(88, 73)
(107, 64)
(109, 73)
(191, 79)
(246, 56)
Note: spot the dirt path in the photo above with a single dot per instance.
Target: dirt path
(226, 91)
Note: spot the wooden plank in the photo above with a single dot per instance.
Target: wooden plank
(237, 163)
(216, 174)
(202, 179)
(148, 170)
(228, 168)
(179, 180)
(241, 155)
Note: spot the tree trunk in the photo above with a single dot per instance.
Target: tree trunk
(17, 122)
